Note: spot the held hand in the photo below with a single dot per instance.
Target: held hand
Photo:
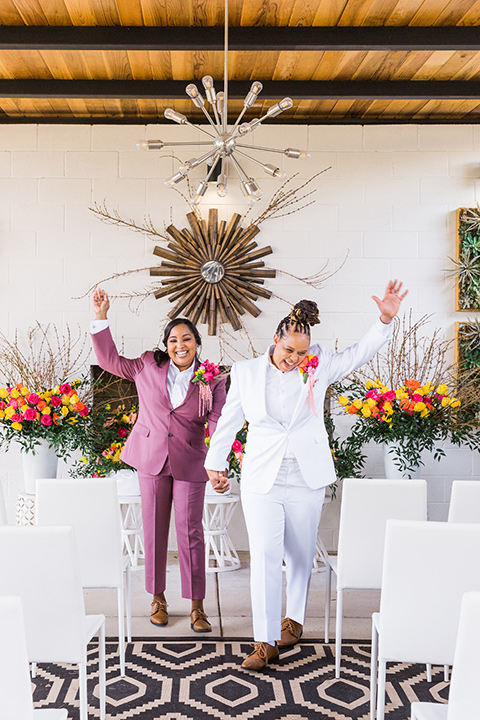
(390, 304)
(101, 304)
(219, 480)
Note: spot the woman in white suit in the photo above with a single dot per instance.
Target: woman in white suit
(287, 462)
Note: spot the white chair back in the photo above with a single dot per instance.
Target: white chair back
(465, 502)
(427, 568)
(91, 506)
(15, 685)
(463, 696)
(3, 508)
(40, 564)
(367, 504)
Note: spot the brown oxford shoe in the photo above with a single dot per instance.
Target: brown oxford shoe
(291, 633)
(262, 654)
(199, 621)
(159, 614)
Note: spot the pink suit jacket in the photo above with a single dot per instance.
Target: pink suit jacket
(160, 430)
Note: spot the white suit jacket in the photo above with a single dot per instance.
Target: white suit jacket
(267, 438)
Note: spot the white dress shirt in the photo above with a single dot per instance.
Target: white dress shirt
(281, 395)
(177, 380)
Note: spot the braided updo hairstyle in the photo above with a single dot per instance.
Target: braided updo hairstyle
(303, 315)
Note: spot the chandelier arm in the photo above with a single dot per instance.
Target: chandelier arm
(202, 159)
(259, 147)
(210, 120)
(193, 142)
(241, 172)
(217, 117)
(258, 162)
(198, 127)
(242, 113)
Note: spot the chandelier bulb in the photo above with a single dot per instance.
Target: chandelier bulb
(177, 117)
(222, 185)
(150, 144)
(244, 128)
(252, 95)
(275, 172)
(297, 154)
(201, 190)
(220, 102)
(195, 95)
(209, 89)
(178, 177)
(279, 107)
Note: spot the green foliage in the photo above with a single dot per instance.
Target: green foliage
(467, 267)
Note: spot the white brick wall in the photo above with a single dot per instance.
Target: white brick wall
(389, 199)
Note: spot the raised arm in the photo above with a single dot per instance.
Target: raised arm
(103, 345)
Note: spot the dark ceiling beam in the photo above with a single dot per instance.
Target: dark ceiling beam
(240, 38)
(297, 90)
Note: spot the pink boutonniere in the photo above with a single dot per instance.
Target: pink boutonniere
(204, 376)
(308, 368)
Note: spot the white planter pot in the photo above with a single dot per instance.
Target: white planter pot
(392, 471)
(42, 464)
(127, 482)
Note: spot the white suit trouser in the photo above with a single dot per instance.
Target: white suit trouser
(282, 524)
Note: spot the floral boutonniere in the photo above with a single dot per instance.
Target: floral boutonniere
(307, 368)
(204, 376)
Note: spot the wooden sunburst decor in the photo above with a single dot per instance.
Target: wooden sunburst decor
(214, 272)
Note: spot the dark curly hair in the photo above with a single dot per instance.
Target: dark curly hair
(161, 356)
(301, 317)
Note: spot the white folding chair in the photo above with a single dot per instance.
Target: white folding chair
(91, 506)
(463, 696)
(465, 502)
(367, 504)
(427, 568)
(15, 687)
(41, 565)
(3, 509)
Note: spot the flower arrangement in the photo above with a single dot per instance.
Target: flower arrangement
(307, 369)
(28, 417)
(109, 432)
(416, 399)
(204, 375)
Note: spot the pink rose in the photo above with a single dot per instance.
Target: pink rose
(314, 361)
(208, 376)
(33, 398)
(46, 420)
(16, 418)
(417, 398)
(237, 446)
(374, 394)
(64, 389)
(13, 403)
(84, 412)
(121, 432)
(30, 414)
(55, 401)
(389, 396)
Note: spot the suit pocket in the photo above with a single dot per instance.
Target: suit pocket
(142, 430)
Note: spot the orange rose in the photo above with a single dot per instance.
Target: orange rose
(412, 384)
(79, 406)
(352, 409)
(41, 405)
(404, 403)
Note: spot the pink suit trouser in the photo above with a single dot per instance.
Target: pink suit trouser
(158, 493)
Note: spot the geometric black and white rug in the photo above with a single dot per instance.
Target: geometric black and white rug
(186, 679)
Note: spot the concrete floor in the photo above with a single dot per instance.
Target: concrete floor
(228, 606)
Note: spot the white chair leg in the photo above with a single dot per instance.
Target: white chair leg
(128, 590)
(102, 671)
(446, 673)
(33, 670)
(429, 672)
(82, 690)
(373, 671)
(382, 680)
(328, 600)
(338, 632)
(121, 629)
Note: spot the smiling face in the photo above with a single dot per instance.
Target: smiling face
(290, 349)
(181, 346)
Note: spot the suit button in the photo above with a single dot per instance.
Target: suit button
(170, 434)
(171, 412)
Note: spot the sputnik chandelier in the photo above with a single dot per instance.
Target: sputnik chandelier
(224, 144)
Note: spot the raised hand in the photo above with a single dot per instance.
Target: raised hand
(390, 304)
(101, 304)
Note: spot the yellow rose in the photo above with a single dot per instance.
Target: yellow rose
(428, 387)
(369, 384)
(15, 393)
(370, 402)
(9, 412)
(384, 389)
(424, 412)
(400, 394)
(456, 403)
(74, 399)
(65, 400)
(55, 390)
(24, 391)
(366, 412)
(17, 426)
(387, 407)
(419, 407)
(357, 403)
(2, 414)
(442, 389)
(343, 400)
(3, 392)
(445, 401)
(47, 411)
(64, 411)
(377, 383)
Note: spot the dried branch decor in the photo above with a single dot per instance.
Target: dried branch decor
(213, 270)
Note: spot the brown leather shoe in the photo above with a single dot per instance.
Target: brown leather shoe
(159, 614)
(262, 654)
(199, 621)
(291, 633)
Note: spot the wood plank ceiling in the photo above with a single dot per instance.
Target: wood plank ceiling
(340, 60)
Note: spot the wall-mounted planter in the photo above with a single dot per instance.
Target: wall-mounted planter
(467, 260)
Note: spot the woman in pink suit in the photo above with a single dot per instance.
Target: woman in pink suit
(167, 448)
